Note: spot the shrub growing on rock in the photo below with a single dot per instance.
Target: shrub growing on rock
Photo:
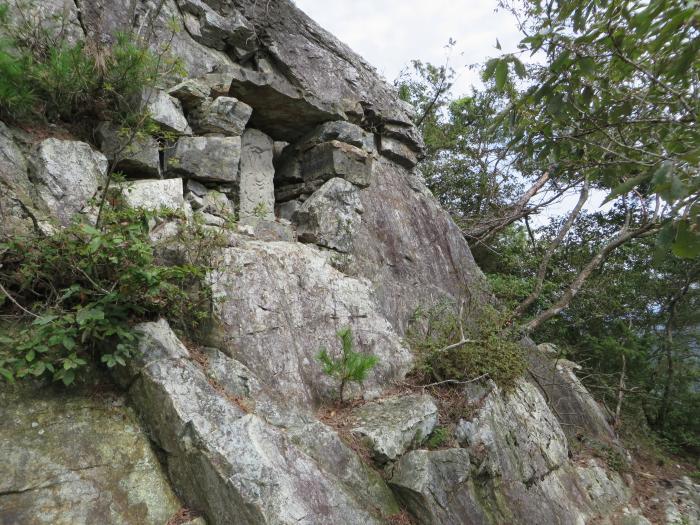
(463, 347)
(84, 287)
(45, 75)
(351, 366)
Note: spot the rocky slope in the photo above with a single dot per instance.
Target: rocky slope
(284, 125)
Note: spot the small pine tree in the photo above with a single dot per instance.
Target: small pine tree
(350, 366)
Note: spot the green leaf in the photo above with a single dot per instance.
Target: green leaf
(44, 320)
(68, 343)
(627, 186)
(687, 242)
(519, 68)
(89, 314)
(501, 74)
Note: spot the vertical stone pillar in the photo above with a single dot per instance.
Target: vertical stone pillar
(257, 191)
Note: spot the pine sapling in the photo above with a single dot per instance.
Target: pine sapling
(350, 366)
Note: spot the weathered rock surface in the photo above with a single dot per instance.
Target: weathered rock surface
(230, 32)
(331, 216)
(234, 465)
(237, 424)
(398, 152)
(514, 469)
(67, 174)
(266, 320)
(436, 487)
(72, 457)
(410, 249)
(211, 158)
(18, 197)
(154, 194)
(573, 405)
(137, 155)
(257, 191)
(517, 438)
(102, 21)
(224, 115)
(391, 426)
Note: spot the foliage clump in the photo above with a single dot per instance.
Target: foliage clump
(350, 366)
(462, 347)
(85, 287)
(45, 74)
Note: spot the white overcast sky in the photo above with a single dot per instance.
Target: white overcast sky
(390, 33)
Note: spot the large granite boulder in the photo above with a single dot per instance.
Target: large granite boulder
(436, 487)
(18, 197)
(234, 465)
(514, 436)
(67, 174)
(277, 304)
(75, 457)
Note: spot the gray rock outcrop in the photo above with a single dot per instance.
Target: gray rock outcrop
(279, 117)
(71, 457)
(331, 216)
(136, 155)
(67, 175)
(392, 425)
(235, 465)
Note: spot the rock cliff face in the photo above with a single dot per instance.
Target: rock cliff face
(285, 126)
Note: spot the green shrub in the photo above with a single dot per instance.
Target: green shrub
(45, 76)
(454, 348)
(350, 366)
(86, 287)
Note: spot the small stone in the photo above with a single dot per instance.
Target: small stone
(166, 111)
(342, 131)
(191, 93)
(286, 210)
(154, 194)
(398, 152)
(224, 115)
(195, 187)
(393, 425)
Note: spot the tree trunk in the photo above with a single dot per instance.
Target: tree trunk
(542, 270)
(565, 299)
